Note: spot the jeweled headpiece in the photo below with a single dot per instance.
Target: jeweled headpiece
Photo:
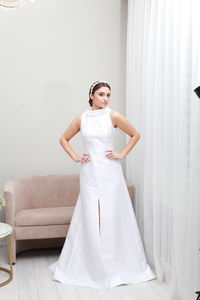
(95, 83)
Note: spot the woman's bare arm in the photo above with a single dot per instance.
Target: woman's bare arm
(123, 124)
(73, 129)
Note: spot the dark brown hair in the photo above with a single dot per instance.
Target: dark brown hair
(96, 87)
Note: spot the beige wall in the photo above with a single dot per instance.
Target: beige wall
(50, 53)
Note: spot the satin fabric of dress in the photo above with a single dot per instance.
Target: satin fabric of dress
(103, 247)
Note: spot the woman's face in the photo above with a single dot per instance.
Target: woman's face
(100, 98)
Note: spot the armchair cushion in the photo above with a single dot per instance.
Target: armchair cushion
(44, 216)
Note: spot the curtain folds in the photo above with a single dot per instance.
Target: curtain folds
(163, 68)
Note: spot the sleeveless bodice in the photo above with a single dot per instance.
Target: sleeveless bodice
(97, 131)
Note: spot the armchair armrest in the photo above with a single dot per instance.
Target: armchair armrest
(10, 203)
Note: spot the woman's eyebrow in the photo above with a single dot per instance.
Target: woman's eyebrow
(104, 93)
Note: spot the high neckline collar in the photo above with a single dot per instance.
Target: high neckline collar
(96, 112)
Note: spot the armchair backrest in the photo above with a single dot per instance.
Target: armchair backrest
(43, 191)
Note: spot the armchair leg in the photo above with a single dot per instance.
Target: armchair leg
(13, 253)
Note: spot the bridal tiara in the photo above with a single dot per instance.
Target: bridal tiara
(95, 83)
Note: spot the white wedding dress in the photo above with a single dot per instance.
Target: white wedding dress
(106, 254)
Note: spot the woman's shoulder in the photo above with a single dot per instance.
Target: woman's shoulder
(115, 113)
(116, 116)
(79, 116)
(78, 119)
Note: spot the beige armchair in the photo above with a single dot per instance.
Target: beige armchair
(39, 208)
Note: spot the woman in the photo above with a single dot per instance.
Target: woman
(103, 246)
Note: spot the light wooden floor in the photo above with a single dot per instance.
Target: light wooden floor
(33, 281)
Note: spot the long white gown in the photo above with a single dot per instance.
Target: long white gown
(110, 253)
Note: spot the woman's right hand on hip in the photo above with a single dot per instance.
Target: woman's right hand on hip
(85, 157)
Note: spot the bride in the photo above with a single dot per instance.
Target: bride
(103, 247)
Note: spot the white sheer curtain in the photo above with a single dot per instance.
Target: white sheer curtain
(163, 68)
